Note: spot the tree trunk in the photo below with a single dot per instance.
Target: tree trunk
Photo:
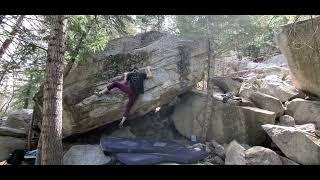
(210, 85)
(13, 33)
(51, 131)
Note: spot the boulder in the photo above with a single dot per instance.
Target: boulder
(85, 155)
(296, 144)
(279, 60)
(228, 84)
(287, 161)
(177, 63)
(227, 123)
(258, 155)
(271, 85)
(7, 131)
(217, 160)
(246, 146)
(217, 149)
(267, 102)
(286, 120)
(301, 50)
(235, 154)
(304, 111)
(19, 119)
(8, 145)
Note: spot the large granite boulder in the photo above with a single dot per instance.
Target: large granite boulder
(304, 111)
(296, 142)
(271, 85)
(19, 119)
(85, 155)
(267, 102)
(177, 63)
(8, 145)
(259, 155)
(7, 131)
(299, 43)
(227, 123)
(235, 154)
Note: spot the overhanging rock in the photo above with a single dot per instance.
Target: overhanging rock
(177, 63)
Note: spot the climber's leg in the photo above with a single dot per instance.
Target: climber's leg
(116, 84)
(132, 98)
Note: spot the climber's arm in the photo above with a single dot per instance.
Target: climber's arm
(149, 73)
(125, 77)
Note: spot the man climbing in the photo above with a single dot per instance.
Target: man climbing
(132, 84)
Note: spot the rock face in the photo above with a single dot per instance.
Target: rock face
(7, 131)
(267, 102)
(271, 85)
(19, 119)
(303, 58)
(286, 120)
(304, 111)
(258, 155)
(228, 84)
(85, 155)
(8, 145)
(235, 154)
(177, 65)
(286, 161)
(227, 123)
(218, 149)
(295, 144)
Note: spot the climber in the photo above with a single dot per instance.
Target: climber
(132, 85)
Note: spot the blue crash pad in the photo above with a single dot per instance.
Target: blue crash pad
(140, 151)
(139, 158)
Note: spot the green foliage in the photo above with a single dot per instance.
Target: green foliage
(91, 33)
(150, 22)
(251, 35)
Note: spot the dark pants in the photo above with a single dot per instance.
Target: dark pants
(126, 89)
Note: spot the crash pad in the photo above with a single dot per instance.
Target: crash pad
(141, 151)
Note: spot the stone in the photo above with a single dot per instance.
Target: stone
(279, 60)
(246, 146)
(301, 51)
(217, 160)
(8, 145)
(286, 120)
(228, 84)
(271, 85)
(304, 111)
(123, 132)
(267, 102)
(258, 155)
(235, 154)
(227, 123)
(85, 155)
(317, 133)
(7, 131)
(295, 143)
(19, 119)
(287, 161)
(218, 149)
(177, 63)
